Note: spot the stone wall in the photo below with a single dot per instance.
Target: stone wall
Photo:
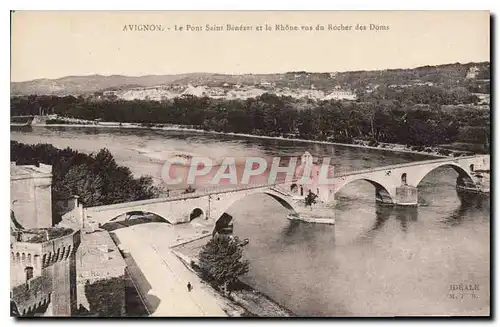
(31, 202)
(31, 295)
(101, 273)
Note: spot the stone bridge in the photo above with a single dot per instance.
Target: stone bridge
(209, 204)
(395, 184)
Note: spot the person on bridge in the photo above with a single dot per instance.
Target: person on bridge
(189, 286)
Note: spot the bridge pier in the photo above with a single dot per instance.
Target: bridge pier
(406, 195)
(318, 213)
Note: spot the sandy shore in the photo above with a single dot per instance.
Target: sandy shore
(383, 146)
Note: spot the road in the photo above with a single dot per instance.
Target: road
(161, 277)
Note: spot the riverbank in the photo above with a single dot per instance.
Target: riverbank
(438, 152)
(166, 269)
(254, 303)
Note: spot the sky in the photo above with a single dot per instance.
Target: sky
(56, 44)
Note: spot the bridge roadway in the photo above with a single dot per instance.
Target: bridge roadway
(212, 203)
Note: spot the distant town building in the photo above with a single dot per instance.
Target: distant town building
(400, 86)
(340, 94)
(472, 72)
(424, 84)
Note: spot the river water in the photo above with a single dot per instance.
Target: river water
(376, 260)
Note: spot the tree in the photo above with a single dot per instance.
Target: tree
(80, 180)
(310, 198)
(97, 179)
(221, 260)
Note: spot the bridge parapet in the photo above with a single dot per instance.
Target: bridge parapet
(203, 193)
(416, 163)
(392, 185)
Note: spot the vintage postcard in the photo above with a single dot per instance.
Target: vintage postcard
(250, 164)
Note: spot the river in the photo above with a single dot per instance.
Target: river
(375, 261)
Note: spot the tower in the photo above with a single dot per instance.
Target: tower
(309, 178)
(43, 267)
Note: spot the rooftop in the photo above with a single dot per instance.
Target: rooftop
(98, 251)
(40, 235)
(26, 171)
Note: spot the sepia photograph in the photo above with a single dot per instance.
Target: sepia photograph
(250, 164)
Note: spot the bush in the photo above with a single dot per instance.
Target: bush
(444, 152)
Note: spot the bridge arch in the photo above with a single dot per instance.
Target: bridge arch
(196, 213)
(134, 214)
(382, 193)
(281, 199)
(462, 172)
(132, 218)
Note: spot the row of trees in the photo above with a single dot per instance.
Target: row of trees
(97, 179)
(423, 94)
(378, 119)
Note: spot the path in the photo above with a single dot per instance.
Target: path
(164, 277)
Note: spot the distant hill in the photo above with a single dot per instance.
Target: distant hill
(445, 75)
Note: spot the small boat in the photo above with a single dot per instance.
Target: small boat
(25, 124)
(328, 221)
(480, 185)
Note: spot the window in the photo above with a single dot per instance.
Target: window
(403, 179)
